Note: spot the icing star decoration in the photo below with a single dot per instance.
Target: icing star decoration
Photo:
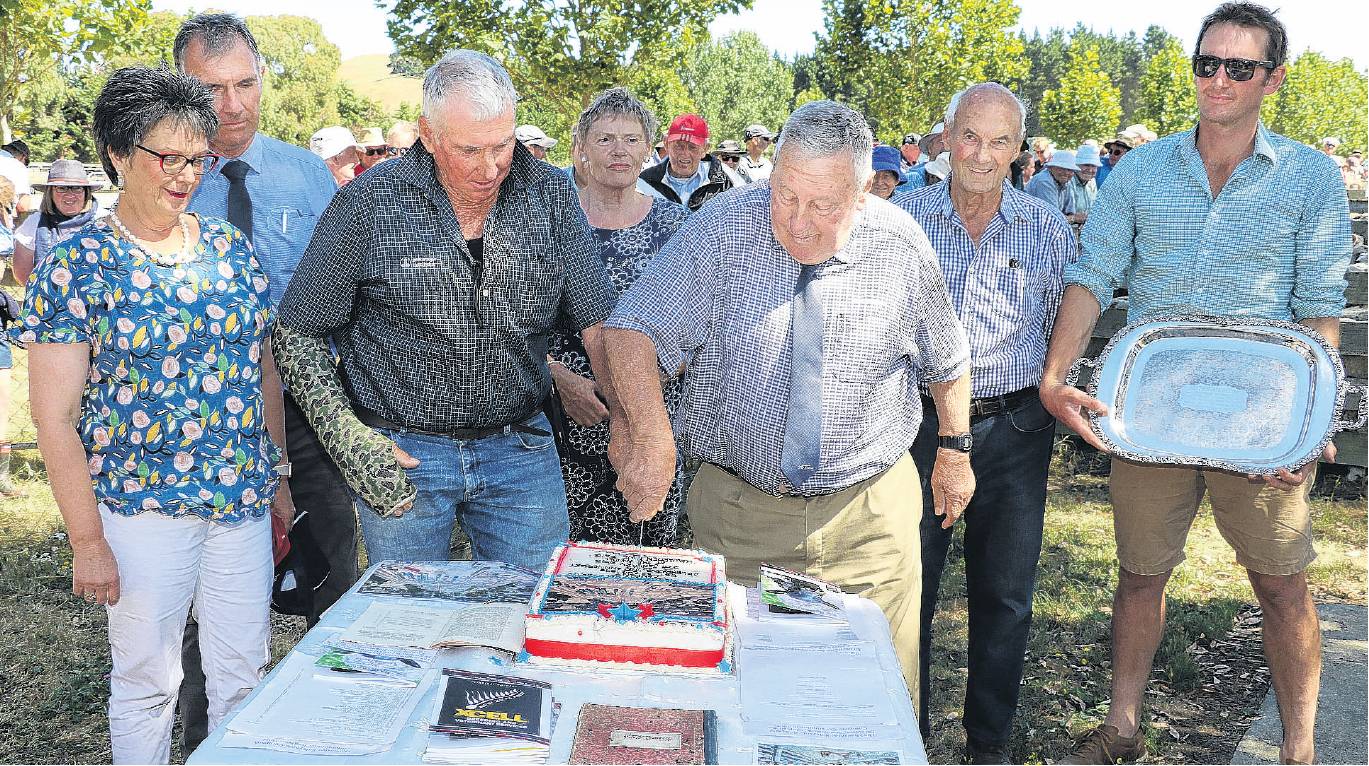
(625, 612)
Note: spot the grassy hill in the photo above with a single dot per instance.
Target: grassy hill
(370, 76)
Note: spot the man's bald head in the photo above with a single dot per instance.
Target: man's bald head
(988, 93)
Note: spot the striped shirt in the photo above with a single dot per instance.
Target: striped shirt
(1005, 289)
(719, 296)
(289, 187)
(1275, 243)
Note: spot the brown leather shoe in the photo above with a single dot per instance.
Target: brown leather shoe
(1104, 745)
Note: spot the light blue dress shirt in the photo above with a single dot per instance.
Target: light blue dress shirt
(289, 187)
(685, 187)
(1006, 287)
(1275, 243)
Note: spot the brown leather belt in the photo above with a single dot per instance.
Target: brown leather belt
(985, 406)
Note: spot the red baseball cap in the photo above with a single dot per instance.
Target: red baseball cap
(688, 127)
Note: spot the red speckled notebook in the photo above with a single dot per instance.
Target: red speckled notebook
(610, 734)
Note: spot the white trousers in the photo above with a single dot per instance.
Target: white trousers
(165, 565)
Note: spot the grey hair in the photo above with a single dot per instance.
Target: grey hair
(824, 129)
(987, 88)
(616, 102)
(218, 32)
(135, 100)
(481, 80)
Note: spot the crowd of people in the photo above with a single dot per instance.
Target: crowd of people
(807, 349)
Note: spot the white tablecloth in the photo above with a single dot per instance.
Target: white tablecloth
(571, 689)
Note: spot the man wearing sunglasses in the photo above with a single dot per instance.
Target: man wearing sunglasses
(1226, 219)
(275, 193)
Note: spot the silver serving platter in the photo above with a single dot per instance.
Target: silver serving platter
(1235, 394)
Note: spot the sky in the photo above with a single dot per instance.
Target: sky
(1337, 28)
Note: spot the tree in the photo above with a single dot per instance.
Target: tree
(355, 111)
(1046, 57)
(301, 71)
(736, 82)
(900, 61)
(36, 33)
(1085, 105)
(1167, 102)
(1121, 59)
(560, 52)
(1320, 98)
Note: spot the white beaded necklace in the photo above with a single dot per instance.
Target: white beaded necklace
(186, 255)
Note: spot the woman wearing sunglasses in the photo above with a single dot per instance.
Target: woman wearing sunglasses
(153, 391)
(68, 204)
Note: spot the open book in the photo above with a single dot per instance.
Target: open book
(497, 626)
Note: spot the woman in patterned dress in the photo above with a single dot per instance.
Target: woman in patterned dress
(612, 139)
(153, 391)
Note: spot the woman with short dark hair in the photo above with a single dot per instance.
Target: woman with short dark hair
(153, 391)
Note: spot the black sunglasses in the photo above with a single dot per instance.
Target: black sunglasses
(731, 158)
(1238, 70)
(173, 163)
(373, 151)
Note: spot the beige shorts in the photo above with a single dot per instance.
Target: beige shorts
(1153, 508)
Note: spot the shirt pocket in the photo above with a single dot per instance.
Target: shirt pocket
(862, 342)
(293, 222)
(535, 286)
(1016, 292)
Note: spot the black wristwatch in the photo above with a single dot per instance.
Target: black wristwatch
(958, 442)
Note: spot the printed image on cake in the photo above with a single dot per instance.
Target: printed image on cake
(621, 606)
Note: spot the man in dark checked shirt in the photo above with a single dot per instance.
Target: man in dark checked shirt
(438, 276)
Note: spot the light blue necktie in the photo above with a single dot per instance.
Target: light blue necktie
(803, 429)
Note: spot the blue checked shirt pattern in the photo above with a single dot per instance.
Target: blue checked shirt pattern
(1005, 289)
(290, 188)
(717, 299)
(1275, 243)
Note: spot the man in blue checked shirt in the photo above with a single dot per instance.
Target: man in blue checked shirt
(275, 193)
(1228, 219)
(1003, 253)
(803, 314)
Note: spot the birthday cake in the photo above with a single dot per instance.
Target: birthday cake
(603, 605)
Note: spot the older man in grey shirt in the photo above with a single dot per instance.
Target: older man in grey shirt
(802, 344)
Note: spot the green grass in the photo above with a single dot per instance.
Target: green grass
(54, 655)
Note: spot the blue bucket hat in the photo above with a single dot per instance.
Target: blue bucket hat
(887, 158)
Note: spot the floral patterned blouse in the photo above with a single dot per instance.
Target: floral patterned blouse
(171, 416)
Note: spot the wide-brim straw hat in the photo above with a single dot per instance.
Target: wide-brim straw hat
(67, 173)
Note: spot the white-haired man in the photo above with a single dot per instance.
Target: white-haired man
(1003, 253)
(806, 340)
(438, 276)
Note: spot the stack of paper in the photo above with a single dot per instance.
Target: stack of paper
(484, 718)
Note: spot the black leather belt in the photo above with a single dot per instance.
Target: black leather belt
(985, 406)
(375, 421)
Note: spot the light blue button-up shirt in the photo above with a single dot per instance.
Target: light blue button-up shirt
(1006, 287)
(1043, 187)
(289, 187)
(1275, 243)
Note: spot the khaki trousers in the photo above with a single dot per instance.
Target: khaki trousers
(863, 538)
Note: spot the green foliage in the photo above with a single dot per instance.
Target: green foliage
(900, 61)
(35, 34)
(355, 111)
(1167, 99)
(1085, 105)
(1320, 98)
(301, 68)
(737, 82)
(558, 52)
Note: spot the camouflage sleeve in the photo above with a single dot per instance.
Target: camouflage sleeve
(365, 457)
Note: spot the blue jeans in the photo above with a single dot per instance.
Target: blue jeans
(507, 490)
(1002, 528)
